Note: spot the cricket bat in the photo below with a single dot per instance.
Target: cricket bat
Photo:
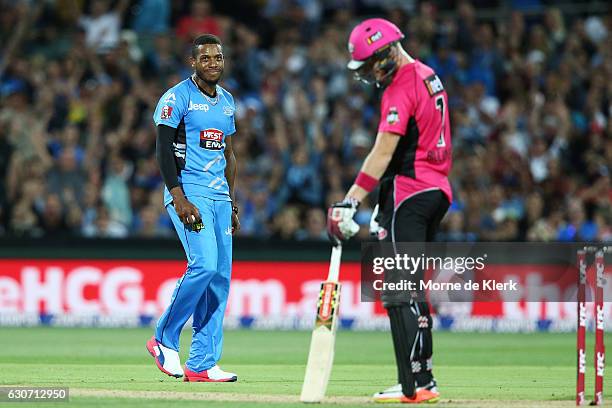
(321, 354)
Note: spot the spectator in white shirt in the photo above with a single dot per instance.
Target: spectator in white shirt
(103, 26)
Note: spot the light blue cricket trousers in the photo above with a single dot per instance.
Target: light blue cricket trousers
(203, 290)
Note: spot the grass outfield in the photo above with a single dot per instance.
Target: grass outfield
(110, 367)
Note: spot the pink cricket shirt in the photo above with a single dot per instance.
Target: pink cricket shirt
(415, 107)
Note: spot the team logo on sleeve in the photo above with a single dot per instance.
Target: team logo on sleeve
(392, 116)
(211, 139)
(228, 111)
(166, 112)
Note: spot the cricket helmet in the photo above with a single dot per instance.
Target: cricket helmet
(369, 37)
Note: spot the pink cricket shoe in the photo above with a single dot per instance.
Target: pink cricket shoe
(167, 360)
(214, 374)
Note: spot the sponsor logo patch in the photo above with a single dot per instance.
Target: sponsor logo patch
(166, 112)
(600, 317)
(600, 364)
(211, 139)
(392, 116)
(433, 84)
(198, 106)
(327, 300)
(228, 111)
(374, 37)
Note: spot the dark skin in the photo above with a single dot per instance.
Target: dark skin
(208, 67)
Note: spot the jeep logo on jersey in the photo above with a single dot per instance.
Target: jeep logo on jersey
(198, 106)
(211, 139)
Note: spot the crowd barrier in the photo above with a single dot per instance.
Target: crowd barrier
(274, 286)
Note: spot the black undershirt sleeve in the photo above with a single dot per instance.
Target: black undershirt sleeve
(164, 153)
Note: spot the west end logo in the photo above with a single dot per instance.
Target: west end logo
(211, 139)
(198, 106)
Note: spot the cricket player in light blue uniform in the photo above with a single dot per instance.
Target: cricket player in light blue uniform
(195, 122)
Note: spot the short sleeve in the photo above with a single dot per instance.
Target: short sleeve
(396, 108)
(231, 112)
(232, 125)
(170, 109)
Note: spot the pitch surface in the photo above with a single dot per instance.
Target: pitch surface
(110, 367)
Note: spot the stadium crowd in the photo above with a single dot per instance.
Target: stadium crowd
(529, 94)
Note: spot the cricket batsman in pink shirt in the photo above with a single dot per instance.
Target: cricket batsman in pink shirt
(409, 162)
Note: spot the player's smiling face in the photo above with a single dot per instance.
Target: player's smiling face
(209, 62)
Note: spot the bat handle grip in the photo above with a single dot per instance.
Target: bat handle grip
(334, 264)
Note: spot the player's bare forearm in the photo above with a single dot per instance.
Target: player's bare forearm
(357, 193)
(230, 167)
(376, 162)
(177, 193)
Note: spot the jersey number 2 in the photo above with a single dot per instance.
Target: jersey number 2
(440, 107)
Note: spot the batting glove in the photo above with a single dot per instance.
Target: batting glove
(374, 225)
(340, 223)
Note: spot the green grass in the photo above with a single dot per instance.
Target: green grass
(469, 366)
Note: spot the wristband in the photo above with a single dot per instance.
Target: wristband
(365, 181)
(235, 209)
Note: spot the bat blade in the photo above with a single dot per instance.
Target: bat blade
(321, 354)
